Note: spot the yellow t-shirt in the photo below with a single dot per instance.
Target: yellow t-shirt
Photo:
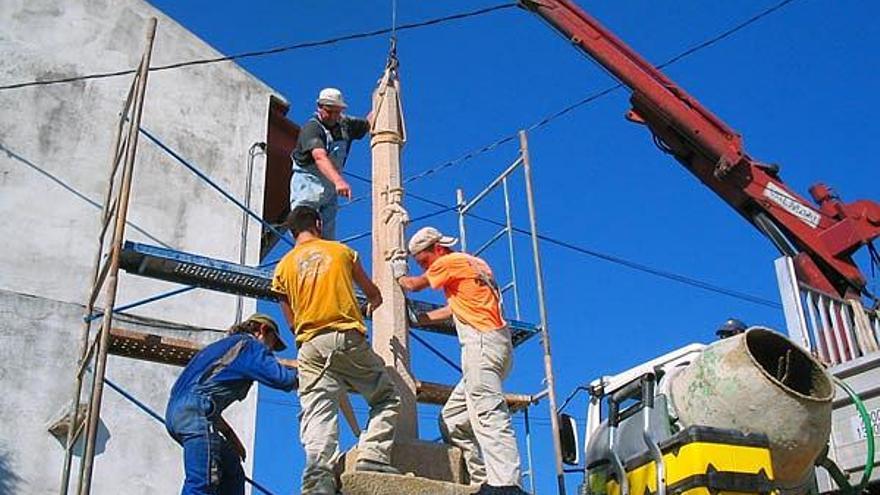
(316, 276)
(470, 298)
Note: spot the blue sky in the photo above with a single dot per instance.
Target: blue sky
(800, 85)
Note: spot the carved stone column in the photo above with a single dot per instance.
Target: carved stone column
(390, 332)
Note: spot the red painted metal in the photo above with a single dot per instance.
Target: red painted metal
(825, 235)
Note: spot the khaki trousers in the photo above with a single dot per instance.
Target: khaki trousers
(331, 364)
(475, 418)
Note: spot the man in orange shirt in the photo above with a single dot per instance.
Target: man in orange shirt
(316, 279)
(475, 418)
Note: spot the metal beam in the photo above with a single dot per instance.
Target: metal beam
(178, 352)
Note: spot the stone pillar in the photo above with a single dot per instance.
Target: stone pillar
(390, 325)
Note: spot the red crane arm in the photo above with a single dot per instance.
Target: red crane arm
(821, 237)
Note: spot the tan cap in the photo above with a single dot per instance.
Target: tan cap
(267, 320)
(427, 237)
(331, 97)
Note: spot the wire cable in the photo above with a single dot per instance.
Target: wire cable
(868, 425)
(412, 220)
(67, 187)
(598, 94)
(204, 177)
(634, 265)
(577, 390)
(162, 325)
(436, 352)
(683, 279)
(270, 51)
(153, 414)
(669, 275)
(711, 41)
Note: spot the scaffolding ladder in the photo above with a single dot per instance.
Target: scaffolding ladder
(92, 358)
(163, 263)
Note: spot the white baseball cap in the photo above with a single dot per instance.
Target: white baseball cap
(331, 97)
(427, 237)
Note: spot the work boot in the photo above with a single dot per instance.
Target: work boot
(501, 490)
(371, 466)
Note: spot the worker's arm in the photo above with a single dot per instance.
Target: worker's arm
(287, 311)
(437, 315)
(414, 284)
(374, 297)
(259, 364)
(357, 127)
(326, 167)
(229, 434)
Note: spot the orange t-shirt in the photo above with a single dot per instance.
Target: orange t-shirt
(470, 298)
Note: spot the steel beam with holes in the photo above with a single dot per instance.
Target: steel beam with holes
(223, 276)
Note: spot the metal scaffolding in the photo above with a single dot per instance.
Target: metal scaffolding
(464, 207)
(106, 277)
(201, 272)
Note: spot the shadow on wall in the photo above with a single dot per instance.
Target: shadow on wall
(9, 481)
(101, 439)
(59, 425)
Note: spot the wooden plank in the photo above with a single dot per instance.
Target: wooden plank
(160, 349)
(438, 394)
(151, 347)
(178, 352)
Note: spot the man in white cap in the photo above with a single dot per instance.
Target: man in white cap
(319, 157)
(475, 418)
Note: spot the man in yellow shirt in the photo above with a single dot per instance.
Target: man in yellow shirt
(475, 418)
(316, 279)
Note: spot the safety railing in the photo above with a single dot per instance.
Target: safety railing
(92, 361)
(835, 330)
(523, 162)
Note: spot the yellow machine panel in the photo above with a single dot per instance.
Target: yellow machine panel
(698, 460)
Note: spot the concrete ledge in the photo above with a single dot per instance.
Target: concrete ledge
(429, 460)
(359, 483)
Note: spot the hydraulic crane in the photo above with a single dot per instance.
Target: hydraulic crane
(821, 237)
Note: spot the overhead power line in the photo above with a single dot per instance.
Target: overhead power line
(641, 267)
(669, 275)
(67, 187)
(596, 95)
(617, 260)
(270, 51)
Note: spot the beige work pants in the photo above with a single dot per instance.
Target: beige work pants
(331, 364)
(475, 418)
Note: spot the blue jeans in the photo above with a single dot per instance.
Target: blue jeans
(211, 465)
(312, 189)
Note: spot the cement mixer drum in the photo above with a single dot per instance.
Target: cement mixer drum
(760, 382)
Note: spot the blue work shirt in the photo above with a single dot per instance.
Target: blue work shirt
(223, 372)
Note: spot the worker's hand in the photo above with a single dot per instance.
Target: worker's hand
(399, 267)
(422, 318)
(416, 318)
(342, 188)
(374, 302)
(230, 436)
(239, 450)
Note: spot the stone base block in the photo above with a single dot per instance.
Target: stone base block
(429, 460)
(359, 483)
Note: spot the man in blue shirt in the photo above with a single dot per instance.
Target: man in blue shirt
(219, 374)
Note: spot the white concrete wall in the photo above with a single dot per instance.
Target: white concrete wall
(210, 115)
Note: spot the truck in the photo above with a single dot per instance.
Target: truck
(758, 412)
